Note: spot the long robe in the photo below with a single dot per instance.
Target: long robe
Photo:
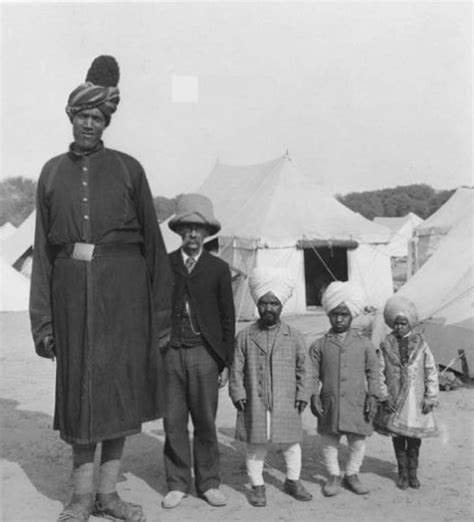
(106, 315)
(408, 385)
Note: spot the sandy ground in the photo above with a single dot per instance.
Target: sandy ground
(36, 463)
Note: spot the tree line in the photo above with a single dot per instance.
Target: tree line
(420, 199)
(17, 201)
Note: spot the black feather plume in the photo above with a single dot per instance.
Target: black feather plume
(104, 71)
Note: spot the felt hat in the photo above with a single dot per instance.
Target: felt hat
(194, 209)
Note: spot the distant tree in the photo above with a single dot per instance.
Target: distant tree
(17, 199)
(420, 199)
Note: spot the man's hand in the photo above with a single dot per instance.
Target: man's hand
(371, 406)
(223, 377)
(240, 405)
(316, 406)
(300, 406)
(46, 348)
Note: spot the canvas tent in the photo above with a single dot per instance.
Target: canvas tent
(16, 249)
(7, 230)
(273, 215)
(402, 231)
(14, 289)
(443, 291)
(427, 235)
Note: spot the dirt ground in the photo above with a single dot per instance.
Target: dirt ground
(36, 463)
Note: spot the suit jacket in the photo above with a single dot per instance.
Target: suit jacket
(209, 287)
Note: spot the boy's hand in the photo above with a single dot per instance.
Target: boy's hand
(300, 406)
(371, 406)
(316, 406)
(240, 405)
(427, 406)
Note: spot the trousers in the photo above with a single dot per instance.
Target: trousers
(191, 390)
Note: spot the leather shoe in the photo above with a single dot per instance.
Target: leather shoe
(296, 489)
(173, 499)
(353, 483)
(332, 486)
(214, 497)
(257, 496)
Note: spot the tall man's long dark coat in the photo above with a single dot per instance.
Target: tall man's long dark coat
(106, 315)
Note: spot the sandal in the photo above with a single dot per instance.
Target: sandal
(79, 509)
(111, 506)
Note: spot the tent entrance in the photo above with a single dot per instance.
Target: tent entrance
(316, 273)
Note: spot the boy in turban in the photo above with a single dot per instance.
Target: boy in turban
(344, 367)
(95, 226)
(270, 384)
(409, 387)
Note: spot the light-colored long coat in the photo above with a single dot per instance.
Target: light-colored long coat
(281, 378)
(347, 373)
(408, 385)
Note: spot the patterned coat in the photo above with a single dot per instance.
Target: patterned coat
(408, 385)
(280, 378)
(347, 372)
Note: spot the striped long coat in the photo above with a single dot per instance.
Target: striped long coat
(277, 378)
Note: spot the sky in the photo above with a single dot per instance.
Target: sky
(362, 95)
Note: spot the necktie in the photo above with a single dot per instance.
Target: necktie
(190, 262)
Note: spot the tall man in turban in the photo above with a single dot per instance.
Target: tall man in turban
(100, 296)
(199, 354)
(345, 386)
(270, 385)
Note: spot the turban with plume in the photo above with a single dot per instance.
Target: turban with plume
(398, 305)
(99, 90)
(348, 293)
(275, 280)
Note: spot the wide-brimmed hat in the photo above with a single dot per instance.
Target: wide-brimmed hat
(196, 209)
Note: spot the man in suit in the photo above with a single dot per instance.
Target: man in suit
(199, 354)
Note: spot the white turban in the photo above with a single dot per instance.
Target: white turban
(399, 305)
(348, 293)
(275, 280)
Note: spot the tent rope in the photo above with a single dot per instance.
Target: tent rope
(323, 262)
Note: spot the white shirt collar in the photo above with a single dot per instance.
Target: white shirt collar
(185, 256)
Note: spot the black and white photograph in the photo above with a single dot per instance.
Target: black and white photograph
(237, 261)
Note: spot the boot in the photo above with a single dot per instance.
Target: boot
(332, 486)
(353, 483)
(412, 453)
(402, 461)
(296, 489)
(257, 496)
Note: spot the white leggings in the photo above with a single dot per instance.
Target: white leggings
(330, 453)
(255, 458)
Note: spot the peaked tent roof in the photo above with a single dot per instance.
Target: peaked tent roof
(15, 289)
(13, 247)
(396, 223)
(274, 204)
(7, 230)
(458, 205)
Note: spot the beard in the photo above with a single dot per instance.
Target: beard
(268, 318)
